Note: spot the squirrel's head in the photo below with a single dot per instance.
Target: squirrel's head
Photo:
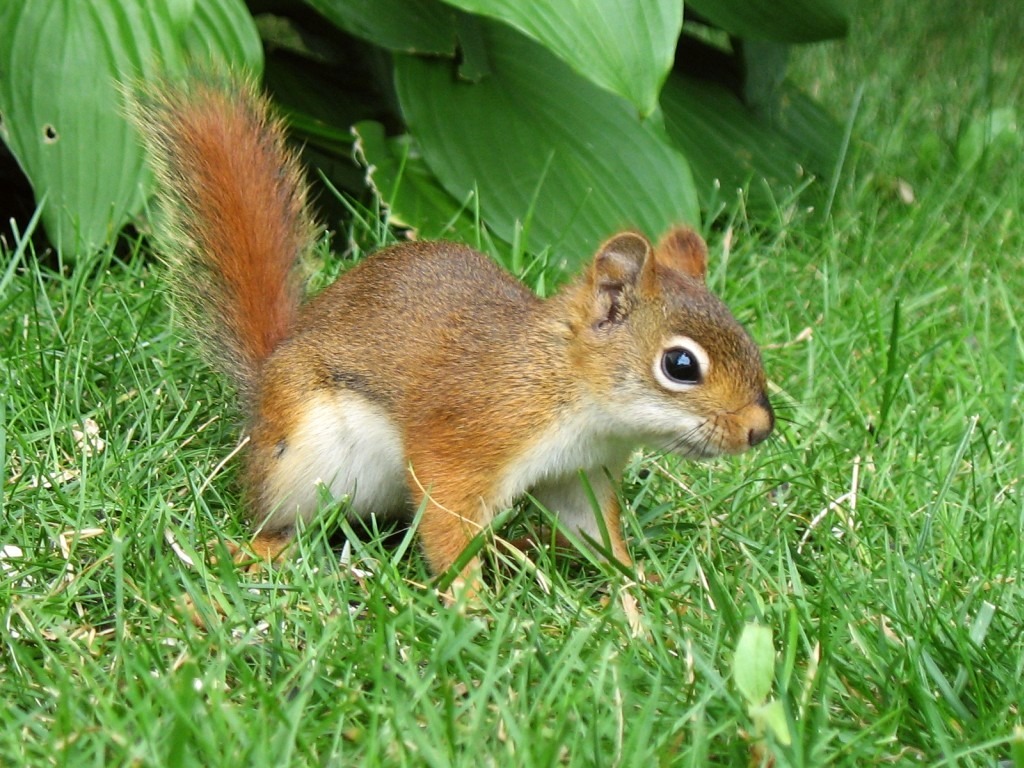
(668, 359)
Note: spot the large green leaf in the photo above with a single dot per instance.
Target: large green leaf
(784, 21)
(627, 48)
(62, 109)
(223, 29)
(398, 176)
(539, 141)
(411, 26)
(729, 145)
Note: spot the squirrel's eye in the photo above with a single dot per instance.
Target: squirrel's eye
(681, 366)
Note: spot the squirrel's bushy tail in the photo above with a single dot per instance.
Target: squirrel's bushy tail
(232, 221)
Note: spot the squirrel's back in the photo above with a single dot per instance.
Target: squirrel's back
(232, 219)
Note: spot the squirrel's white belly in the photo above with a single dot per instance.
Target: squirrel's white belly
(550, 466)
(348, 446)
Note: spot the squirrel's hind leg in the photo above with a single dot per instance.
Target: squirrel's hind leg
(338, 444)
(264, 548)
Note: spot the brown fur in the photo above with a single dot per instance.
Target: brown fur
(427, 375)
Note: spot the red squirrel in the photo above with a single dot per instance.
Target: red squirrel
(426, 375)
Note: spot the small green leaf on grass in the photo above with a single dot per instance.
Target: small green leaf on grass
(771, 716)
(753, 666)
(997, 132)
(981, 623)
(1017, 747)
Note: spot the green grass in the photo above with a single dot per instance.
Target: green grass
(879, 535)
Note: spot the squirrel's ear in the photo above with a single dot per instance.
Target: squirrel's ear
(615, 273)
(683, 250)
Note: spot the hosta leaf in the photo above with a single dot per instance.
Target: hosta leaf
(784, 21)
(627, 48)
(398, 176)
(729, 144)
(537, 140)
(224, 30)
(412, 26)
(814, 135)
(63, 113)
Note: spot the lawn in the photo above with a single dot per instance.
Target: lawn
(878, 537)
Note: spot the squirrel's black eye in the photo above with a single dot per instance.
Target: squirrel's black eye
(681, 366)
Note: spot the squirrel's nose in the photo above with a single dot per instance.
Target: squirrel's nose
(764, 421)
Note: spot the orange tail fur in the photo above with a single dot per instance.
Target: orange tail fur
(233, 224)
